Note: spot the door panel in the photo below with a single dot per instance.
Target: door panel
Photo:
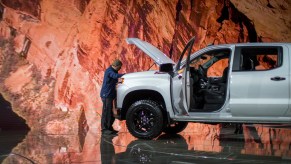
(178, 97)
(254, 93)
(186, 88)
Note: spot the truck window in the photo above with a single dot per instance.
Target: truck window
(216, 70)
(209, 60)
(259, 58)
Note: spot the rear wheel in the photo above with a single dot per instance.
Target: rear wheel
(175, 127)
(144, 119)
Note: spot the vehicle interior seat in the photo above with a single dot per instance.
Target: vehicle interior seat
(215, 93)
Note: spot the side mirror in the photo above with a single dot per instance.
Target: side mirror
(166, 67)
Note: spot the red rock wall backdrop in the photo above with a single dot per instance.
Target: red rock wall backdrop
(54, 52)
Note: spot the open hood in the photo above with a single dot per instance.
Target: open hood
(158, 56)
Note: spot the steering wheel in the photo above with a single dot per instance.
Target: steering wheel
(202, 72)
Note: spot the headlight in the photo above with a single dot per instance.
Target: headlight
(120, 80)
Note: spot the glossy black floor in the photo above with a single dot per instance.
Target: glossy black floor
(200, 143)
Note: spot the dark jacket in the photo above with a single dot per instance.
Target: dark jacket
(110, 80)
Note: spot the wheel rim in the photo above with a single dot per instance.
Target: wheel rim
(144, 120)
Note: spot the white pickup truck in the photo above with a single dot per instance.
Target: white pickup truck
(234, 83)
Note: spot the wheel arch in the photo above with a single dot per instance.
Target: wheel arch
(144, 94)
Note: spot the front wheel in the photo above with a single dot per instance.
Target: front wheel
(144, 119)
(175, 127)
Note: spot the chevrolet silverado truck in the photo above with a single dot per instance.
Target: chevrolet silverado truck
(230, 83)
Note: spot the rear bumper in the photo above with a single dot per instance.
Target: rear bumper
(117, 113)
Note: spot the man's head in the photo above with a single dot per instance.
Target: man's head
(116, 64)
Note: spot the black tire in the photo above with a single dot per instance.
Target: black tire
(175, 127)
(144, 119)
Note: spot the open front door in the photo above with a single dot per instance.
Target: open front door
(182, 101)
(186, 85)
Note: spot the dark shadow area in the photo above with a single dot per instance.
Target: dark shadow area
(1, 11)
(83, 128)
(81, 4)
(12, 129)
(26, 46)
(31, 7)
(229, 12)
(9, 140)
(8, 119)
(224, 14)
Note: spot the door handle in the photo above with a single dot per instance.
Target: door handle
(277, 78)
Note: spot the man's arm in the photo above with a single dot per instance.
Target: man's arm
(114, 75)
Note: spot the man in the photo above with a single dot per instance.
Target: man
(108, 94)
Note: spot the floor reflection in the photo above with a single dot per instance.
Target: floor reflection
(267, 140)
(107, 150)
(199, 144)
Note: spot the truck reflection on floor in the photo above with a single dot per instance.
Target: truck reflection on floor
(107, 149)
(200, 143)
(257, 141)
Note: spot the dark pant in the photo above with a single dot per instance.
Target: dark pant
(107, 118)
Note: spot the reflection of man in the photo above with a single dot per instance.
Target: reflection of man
(107, 149)
(108, 94)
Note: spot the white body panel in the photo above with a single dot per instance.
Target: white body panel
(145, 81)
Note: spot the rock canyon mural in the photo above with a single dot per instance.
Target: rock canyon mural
(54, 52)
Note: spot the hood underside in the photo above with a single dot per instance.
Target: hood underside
(158, 56)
